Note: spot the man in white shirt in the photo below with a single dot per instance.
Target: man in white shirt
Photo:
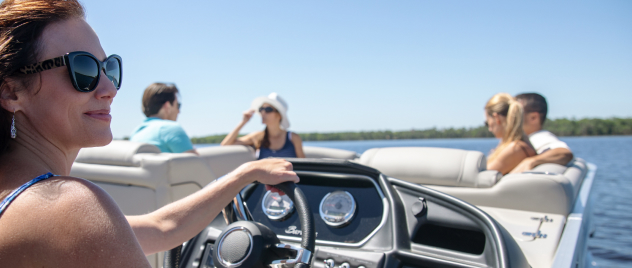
(549, 148)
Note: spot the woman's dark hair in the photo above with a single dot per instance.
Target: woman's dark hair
(265, 143)
(21, 25)
(156, 95)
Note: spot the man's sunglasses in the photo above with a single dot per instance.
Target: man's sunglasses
(84, 69)
(267, 109)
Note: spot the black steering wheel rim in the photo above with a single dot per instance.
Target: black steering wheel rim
(306, 218)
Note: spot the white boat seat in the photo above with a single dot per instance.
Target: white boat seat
(321, 152)
(117, 153)
(538, 190)
(126, 169)
(432, 166)
(574, 171)
(548, 188)
(224, 159)
(550, 168)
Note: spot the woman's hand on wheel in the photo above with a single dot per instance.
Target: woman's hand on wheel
(270, 171)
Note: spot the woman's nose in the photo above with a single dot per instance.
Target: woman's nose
(105, 88)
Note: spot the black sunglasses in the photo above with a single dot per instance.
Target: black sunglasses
(267, 109)
(84, 69)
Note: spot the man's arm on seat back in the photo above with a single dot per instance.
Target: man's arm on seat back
(557, 156)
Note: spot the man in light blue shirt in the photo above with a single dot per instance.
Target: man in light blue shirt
(161, 106)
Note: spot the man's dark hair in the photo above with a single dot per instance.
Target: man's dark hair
(534, 102)
(156, 95)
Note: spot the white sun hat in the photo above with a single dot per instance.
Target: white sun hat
(278, 103)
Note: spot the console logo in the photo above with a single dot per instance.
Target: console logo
(293, 230)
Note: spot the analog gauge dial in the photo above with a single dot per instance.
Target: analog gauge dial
(277, 207)
(337, 208)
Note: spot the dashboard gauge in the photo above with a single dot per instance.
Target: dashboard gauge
(277, 207)
(337, 208)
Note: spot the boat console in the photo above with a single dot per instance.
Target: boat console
(366, 219)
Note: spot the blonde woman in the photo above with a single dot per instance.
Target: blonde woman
(503, 118)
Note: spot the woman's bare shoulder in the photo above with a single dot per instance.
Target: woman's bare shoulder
(296, 137)
(521, 146)
(72, 222)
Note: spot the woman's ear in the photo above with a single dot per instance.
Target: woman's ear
(10, 100)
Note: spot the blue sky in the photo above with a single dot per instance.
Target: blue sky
(367, 65)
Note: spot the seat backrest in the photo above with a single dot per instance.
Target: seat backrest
(127, 166)
(224, 159)
(432, 166)
(117, 153)
(574, 171)
(321, 152)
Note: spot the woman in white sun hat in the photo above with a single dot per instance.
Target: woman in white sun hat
(275, 140)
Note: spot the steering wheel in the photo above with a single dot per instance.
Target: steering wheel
(252, 244)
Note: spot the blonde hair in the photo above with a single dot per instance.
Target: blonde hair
(506, 105)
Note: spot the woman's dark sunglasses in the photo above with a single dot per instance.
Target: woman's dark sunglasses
(267, 109)
(84, 69)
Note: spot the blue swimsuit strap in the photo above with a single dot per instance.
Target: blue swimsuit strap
(5, 203)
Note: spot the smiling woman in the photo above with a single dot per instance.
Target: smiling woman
(56, 88)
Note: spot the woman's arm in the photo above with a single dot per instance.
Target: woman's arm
(179, 221)
(509, 157)
(232, 137)
(298, 145)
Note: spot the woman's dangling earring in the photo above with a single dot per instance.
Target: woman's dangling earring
(13, 130)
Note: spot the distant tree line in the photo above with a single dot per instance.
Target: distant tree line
(589, 126)
(560, 127)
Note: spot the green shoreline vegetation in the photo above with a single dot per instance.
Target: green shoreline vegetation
(561, 127)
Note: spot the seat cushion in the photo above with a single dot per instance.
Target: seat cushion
(432, 166)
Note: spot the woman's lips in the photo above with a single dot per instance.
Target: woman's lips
(100, 115)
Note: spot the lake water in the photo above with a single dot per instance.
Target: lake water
(611, 244)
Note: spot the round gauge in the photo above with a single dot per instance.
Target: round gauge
(277, 207)
(337, 208)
